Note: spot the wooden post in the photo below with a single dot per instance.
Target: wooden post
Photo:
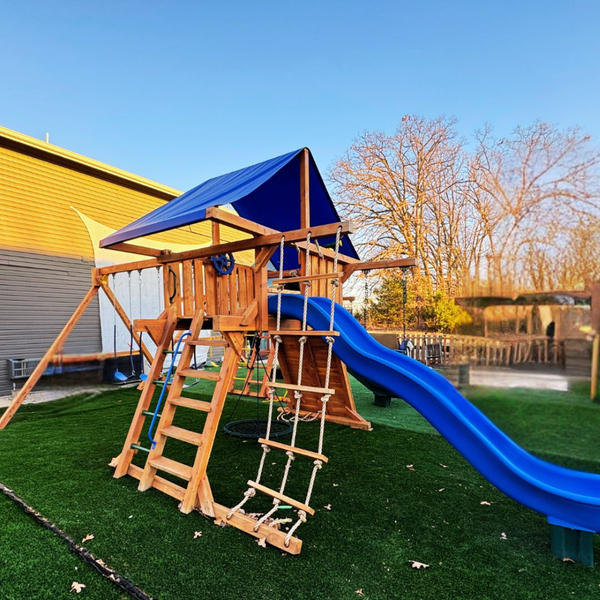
(304, 190)
(50, 353)
(595, 367)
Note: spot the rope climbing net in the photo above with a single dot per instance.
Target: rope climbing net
(295, 418)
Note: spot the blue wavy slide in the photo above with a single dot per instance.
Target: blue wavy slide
(566, 497)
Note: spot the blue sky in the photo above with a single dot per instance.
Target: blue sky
(183, 91)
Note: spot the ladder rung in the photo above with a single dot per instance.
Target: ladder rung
(293, 449)
(185, 435)
(151, 414)
(302, 388)
(265, 490)
(190, 403)
(206, 342)
(307, 278)
(171, 466)
(298, 332)
(199, 374)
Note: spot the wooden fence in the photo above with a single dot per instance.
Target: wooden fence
(480, 351)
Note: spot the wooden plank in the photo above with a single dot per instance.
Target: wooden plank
(198, 374)
(43, 364)
(191, 403)
(224, 323)
(211, 291)
(198, 285)
(206, 342)
(271, 535)
(309, 332)
(187, 288)
(282, 497)
(303, 388)
(153, 327)
(297, 235)
(293, 449)
(172, 467)
(135, 249)
(223, 217)
(130, 266)
(184, 435)
(300, 279)
(162, 485)
(377, 264)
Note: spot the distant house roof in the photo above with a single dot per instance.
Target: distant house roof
(267, 193)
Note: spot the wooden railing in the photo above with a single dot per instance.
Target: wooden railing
(480, 351)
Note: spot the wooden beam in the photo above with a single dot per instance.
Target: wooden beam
(218, 215)
(215, 230)
(123, 315)
(304, 189)
(135, 249)
(137, 265)
(274, 239)
(50, 353)
(377, 264)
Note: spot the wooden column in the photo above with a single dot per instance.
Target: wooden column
(304, 190)
(50, 354)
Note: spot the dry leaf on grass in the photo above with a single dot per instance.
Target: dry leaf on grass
(335, 484)
(262, 542)
(503, 536)
(445, 466)
(418, 565)
(87, 538)
(359, 592)
(567, 559)
(410, 467)
(197, 534)
(441, 489)
(485, 503)
(77, 587)
(327, 506)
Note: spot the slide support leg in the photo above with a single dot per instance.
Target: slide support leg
(572, 543)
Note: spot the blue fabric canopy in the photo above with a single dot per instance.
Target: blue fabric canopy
(267, 193)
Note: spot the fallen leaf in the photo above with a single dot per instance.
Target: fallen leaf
(327, 506)
(445, 466)
(441, 489)
(503, 536)
(485, 503)
(88, 537)
(418, 565)
(335, 484)
(410, 467)
(197, 534)
(359, 592)
(567, 559)
(262, 542)
(77, 587)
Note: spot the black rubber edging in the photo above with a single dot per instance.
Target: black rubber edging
(87, 557)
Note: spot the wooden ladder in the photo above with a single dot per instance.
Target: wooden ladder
(196, 492)
(253, 375)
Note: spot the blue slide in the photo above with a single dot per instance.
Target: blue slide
(566, 497)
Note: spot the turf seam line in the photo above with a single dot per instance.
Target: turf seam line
(120, 581)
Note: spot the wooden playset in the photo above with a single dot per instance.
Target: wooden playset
(207, 289)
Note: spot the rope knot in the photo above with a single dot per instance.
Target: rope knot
(297, 394)
(277, 338)
(290, 455)
(265, 448)
(303, 340)
(335, 283)
(250, 493)
(318, 464)
(325, 398)
(329, 339)
(302, 516)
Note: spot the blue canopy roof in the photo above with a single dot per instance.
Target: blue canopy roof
(267, 193)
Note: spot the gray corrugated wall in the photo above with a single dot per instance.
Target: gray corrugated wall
(38, 294)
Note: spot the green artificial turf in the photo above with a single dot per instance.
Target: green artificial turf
(373, 514)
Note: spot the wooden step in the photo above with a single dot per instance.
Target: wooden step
(299, 332)
(307, 278)
(302, 388)
(171, 466)
(293, 449)
(185, 435)
(199, 374)
(285, 499)
(190, 403)
(206, 342)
